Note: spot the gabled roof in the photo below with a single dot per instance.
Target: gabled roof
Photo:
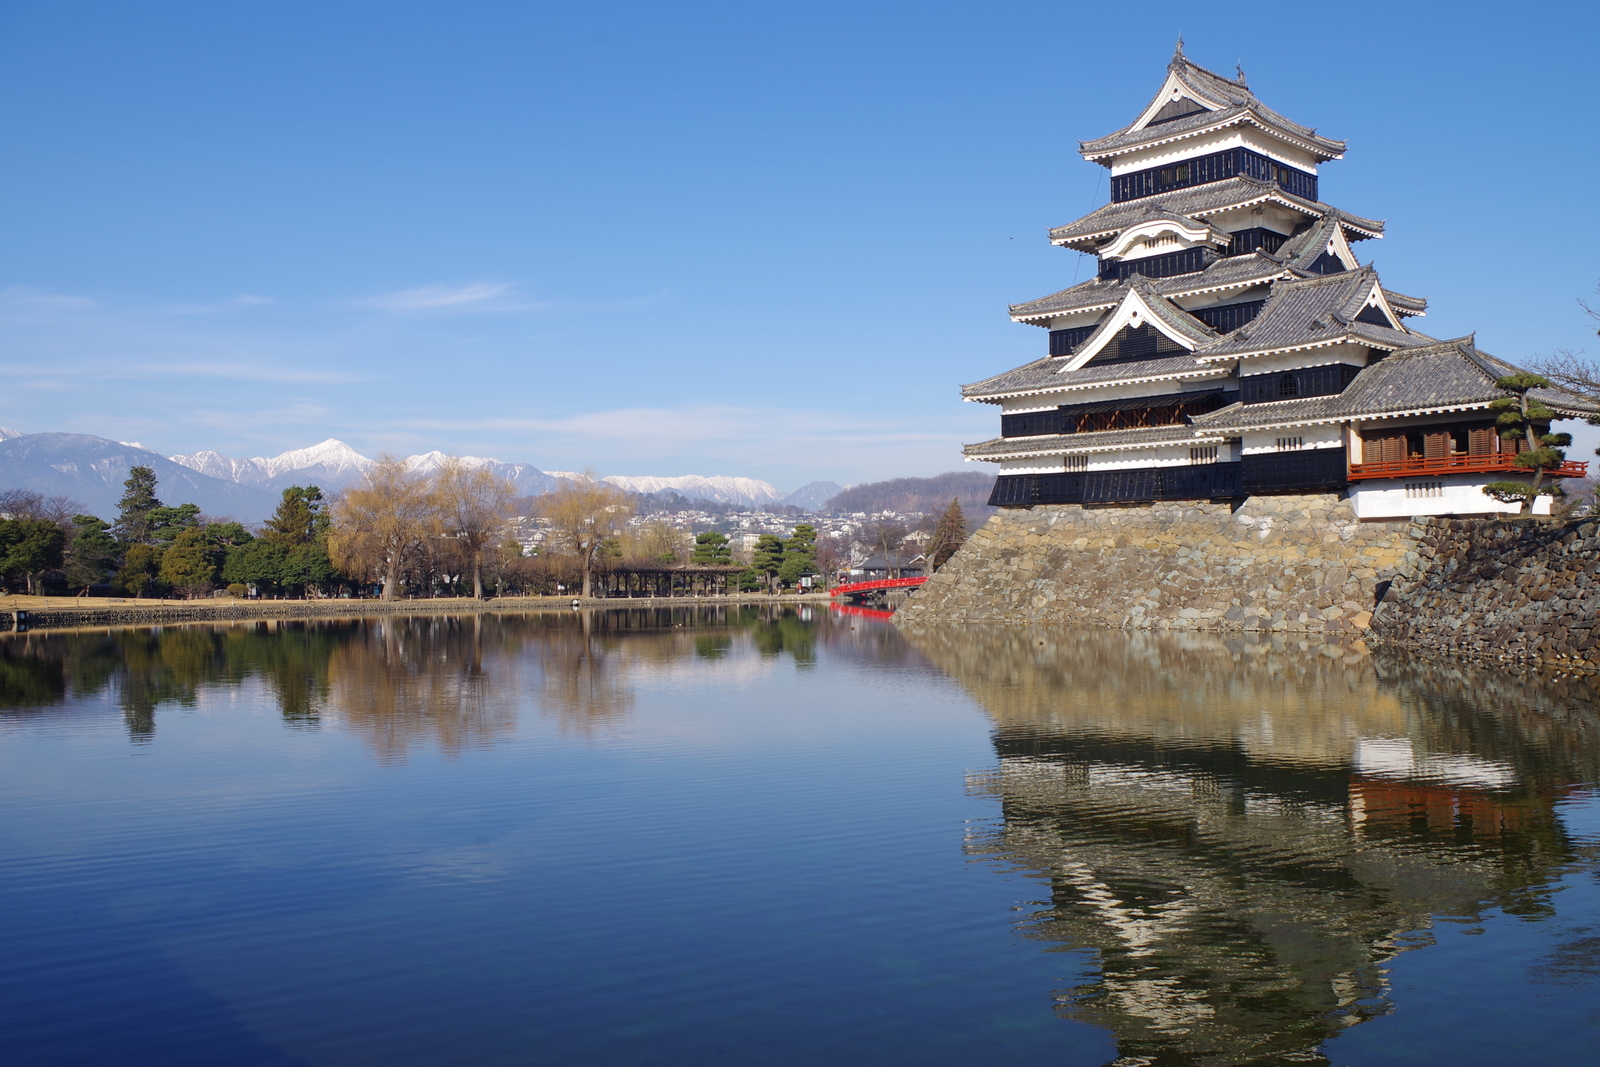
(1049, 375)
(1198, 201)
(1229, 102)
(1312, 312)
(1436, 377)
(1324, 235)
(1233, 272)
(1142, 301)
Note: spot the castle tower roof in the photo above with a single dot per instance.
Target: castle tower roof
(1193, 102)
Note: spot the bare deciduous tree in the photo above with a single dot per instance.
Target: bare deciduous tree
(582, 514)
(472, 505)
(379, 522)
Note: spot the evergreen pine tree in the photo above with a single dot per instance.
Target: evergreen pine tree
(138, 501)
(1518, 413)
(767, 558)
(799, 554)
(91, 552)
(711, 549)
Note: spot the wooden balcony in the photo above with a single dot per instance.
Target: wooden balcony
(1458, 463)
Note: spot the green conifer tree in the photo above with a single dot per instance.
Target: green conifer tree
(189, 565)
(767, 558)
(29, 547)
(91, 552)
(138, 500)
(711, 549)
(799, 554)
(1518, 415)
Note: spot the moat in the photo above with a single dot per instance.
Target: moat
(784, 835)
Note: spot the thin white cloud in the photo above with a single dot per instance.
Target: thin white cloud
(469, 298)
(26, 297)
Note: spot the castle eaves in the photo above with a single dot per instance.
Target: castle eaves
(1199, 201)
(1074, 443)
(1048, 375)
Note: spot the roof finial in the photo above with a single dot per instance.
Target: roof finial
(1179, 53)
(1239, 66)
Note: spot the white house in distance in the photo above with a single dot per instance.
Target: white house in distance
(1233, 344)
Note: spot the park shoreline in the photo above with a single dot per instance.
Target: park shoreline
(51, 613)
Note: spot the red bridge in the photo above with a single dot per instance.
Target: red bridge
(872, 587)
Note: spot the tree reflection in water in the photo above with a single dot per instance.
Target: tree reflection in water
(447, 681)
(1245, 831)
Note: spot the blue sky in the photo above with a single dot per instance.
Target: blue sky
(668, 238)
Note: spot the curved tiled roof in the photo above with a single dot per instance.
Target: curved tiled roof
(1198, 201)
(1316, 310)
(1438, 376)
(1232, 101)
(1049, 375)
(1066, 443)
(1231, 272)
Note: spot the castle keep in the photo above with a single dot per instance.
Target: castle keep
(1232, 344)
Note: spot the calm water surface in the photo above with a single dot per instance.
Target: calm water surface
(777, 837)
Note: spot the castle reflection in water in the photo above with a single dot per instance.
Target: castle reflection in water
(1242, 833)
(1245, 832)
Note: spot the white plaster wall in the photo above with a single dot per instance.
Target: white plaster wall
(1083, 318)
(1046, 401)
(1462, 495)
(1272, 216)
(1314, 437)
(1145, 457)
(1355, 355)
(1032, 465)
(1232, 137)
(1165, 456)
(1230, 296)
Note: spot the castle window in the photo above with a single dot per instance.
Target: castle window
(1289, 385)
(1419, 490)
(1075, 463)
(1291, 444)
(1203, 454)
(1174, 175)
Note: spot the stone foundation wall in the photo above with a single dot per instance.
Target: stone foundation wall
(1278, 563)
(1501, 588)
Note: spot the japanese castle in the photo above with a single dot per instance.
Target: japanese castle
(1232, 343)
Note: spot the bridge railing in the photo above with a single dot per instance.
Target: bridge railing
(880, 583)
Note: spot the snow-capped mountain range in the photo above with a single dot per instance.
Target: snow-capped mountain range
(720, 487)
(91, 470)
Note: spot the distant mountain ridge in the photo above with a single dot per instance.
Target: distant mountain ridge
(91, 471)
(724, 489)
(333, 465)
(933, 494)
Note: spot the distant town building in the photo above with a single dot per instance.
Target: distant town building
(1231, 343)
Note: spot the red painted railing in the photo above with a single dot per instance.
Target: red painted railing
(1459, 463)
(881, 583)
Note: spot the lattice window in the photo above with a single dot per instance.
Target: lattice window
(1075, 463)
(1419, 490)
(1291, 444)
(1203, 454)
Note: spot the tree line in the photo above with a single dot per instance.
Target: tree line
(444, 532)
